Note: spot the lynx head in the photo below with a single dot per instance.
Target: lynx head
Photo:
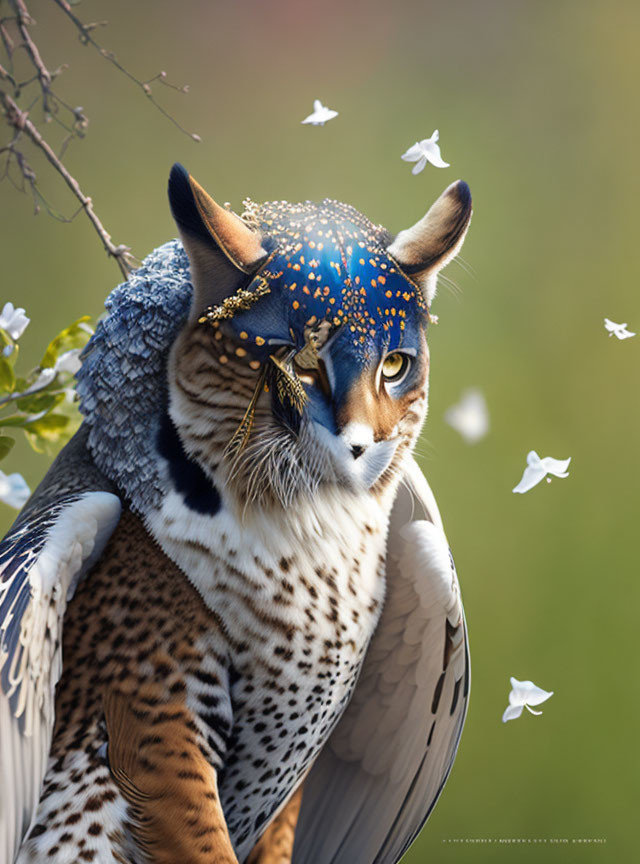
(304, 360)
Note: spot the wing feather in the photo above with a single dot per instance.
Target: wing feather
(54, 542)
(379, 776)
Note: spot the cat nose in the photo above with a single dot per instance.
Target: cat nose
(357, 437)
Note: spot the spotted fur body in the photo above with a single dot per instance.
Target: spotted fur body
(213, 648)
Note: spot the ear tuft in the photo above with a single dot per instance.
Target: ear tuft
(424, 249)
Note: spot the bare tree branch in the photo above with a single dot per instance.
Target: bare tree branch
(15, 36)
(23, 20)
(20, 121)
(87, 39)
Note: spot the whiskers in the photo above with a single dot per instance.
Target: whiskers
(464, 265)
(277, 465)
(450, 283)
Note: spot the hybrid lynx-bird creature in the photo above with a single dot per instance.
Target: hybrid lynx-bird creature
(230, 625)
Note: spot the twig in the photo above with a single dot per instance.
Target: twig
(23, 19)
(15, 35)
(20, 121)
(87, 39)
(7, 41)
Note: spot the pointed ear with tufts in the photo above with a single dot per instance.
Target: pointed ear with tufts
(423, 250)
(223, 251)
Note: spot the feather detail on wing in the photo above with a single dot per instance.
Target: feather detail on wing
(381, 772)
(41, 561)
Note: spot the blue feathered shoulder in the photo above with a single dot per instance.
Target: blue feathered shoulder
(123, 380)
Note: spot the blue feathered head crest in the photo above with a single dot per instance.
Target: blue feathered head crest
(315, 262)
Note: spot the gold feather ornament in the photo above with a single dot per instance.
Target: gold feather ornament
(240, 437)
(289, 387)
(242, 300)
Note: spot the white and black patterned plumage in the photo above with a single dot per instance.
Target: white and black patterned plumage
(58, 536)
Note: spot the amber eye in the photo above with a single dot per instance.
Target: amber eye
(394, 366)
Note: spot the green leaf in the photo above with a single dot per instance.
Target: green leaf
(74, 336)
(6, 444)
(15, 420)
(48, 426)
(47, 432)
(7, 376)
(48, 422)
(5, 339)
(21, 384)
(39, 402)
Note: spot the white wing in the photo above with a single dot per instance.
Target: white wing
(41, 561)
(381, 772)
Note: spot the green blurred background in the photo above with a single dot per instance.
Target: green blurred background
(537, 107)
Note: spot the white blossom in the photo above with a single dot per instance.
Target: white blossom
(69, 361)
(320, 114)
(537, 469)
(13, 320)
(427, 150)
(619, 330)
(523, 695)
(13, 490)
(469, 416)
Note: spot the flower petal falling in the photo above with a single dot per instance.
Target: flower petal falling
(537, 469)
(619, 330)
(13, 490)
(320, 114)
(524, 694)
(470, 416)
(427, 150)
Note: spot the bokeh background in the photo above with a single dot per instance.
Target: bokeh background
(537, 107)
